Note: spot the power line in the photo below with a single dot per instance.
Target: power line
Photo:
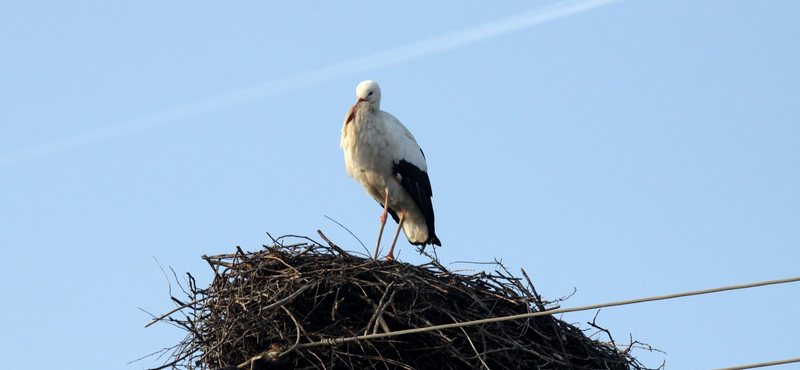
(762, 364)
(337, 341)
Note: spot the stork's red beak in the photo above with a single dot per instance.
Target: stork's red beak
(351, 114)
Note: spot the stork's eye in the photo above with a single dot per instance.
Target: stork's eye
(370, 93)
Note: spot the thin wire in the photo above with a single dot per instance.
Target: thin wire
(336, 341)
(762, 364)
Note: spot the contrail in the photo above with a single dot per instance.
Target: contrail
(382, 59)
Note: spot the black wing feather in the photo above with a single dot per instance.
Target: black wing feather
(418, 185)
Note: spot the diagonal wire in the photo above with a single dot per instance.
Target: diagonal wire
(336, 341)
(762, 364)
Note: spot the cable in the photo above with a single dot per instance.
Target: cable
(337, 341)
(763, 364)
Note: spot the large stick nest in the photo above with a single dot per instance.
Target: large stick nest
(282, 307)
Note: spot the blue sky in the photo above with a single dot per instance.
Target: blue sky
(621, 148)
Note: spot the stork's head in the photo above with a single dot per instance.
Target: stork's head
(370, 92)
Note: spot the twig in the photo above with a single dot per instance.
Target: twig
(379, 308)
(477, 354)
(538, 298)
(334, 246)
(284, 300)
(157, 319)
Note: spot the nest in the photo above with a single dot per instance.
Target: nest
(309, 306)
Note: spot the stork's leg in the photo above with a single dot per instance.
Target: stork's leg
(383, 223)
(390, 256)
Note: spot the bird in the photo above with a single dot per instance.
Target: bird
(384, 157)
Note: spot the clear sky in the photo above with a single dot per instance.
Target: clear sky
(621, 148)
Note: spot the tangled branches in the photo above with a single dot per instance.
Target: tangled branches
(307, 306)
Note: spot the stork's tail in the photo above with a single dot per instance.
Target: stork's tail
(433, 239)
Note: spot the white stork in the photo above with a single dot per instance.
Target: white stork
(383, 156)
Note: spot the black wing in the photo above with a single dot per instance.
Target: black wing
(418, 186)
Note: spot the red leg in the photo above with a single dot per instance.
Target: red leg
(383, 223)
